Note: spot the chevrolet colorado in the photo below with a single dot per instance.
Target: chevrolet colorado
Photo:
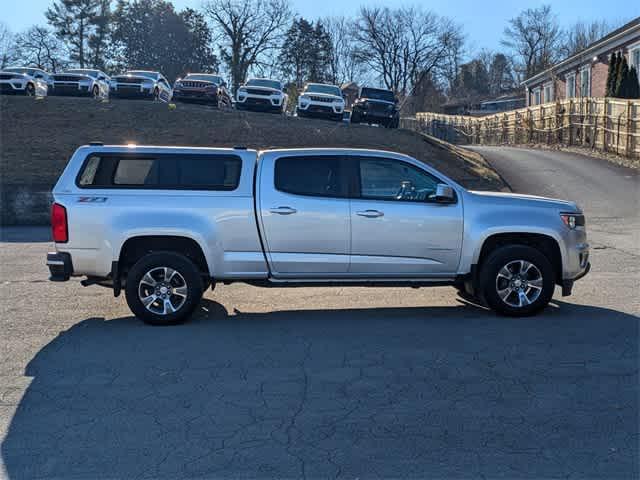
(165, 223)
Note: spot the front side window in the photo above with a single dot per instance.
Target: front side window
(170, 171)
(322, 176)
(386, 179)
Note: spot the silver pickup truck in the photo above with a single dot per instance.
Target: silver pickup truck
(165, 223)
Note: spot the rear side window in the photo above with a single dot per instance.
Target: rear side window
(165, 171)
(319, 176)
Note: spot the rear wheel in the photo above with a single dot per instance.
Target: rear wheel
(517, 280)
(163, 288)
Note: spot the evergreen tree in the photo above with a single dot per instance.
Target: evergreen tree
(611, 75)
(634, 85)
(74, 22)
(622, 79)
(306, 53)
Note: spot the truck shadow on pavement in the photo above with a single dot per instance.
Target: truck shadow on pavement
(446, 392)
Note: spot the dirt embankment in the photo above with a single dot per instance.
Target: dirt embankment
(37, 137)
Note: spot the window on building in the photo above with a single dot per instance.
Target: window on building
(548, 92)
(585, 81)
(536, 96)
(571, 85)
(634, 58)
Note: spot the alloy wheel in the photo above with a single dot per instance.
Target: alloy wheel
(163, 290)
(519, 283)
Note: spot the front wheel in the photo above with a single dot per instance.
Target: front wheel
(30, 91)
(517, 280)
(163, 288)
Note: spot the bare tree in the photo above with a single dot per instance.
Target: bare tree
(403, 45)
(580, 35)
(345, 64)
(39, 47)
(6, 44)
(535, 38)
(248, 30)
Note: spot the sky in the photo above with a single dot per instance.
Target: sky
(483, 21)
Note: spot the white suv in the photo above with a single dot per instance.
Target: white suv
(24, 81)
(81, 82)
(141, 84)
(321, 100)
(262, 94)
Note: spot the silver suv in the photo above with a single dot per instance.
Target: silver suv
(164, 223)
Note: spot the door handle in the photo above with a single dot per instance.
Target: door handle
(283, 210)
(370, 213)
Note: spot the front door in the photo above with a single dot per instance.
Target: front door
(397, 228)
(304, 209)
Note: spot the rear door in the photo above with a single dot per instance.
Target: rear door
(397, 228)
(304, 214)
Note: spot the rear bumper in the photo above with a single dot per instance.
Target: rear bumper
(60, 266)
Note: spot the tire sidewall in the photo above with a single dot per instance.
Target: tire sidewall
(499, 258)
(178, 262)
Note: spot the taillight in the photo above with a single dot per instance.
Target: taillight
(59, 228)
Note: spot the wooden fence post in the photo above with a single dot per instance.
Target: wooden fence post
(627, 145)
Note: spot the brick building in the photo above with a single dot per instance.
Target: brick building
(585, 73)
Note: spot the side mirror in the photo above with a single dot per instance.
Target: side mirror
(445, 193)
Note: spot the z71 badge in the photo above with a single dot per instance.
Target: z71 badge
(92, 199)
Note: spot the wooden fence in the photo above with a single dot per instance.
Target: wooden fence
(605, 124)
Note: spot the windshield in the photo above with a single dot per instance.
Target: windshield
(204, 77)
(260, 82)
(151, 75)
(319, 88)
(377, 94)
(29, 71)
(91, 73)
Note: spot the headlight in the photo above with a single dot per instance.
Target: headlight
(573, 220)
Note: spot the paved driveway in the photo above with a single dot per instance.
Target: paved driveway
(319, 383)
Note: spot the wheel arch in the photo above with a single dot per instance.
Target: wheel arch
(547, 244)
(137, 246)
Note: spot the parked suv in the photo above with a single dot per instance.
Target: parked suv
(321, 100)
(375, 105)
(164, 223)
(262, 94)
(83, 82)
(24, 81)
(202, 87)
(141, 84)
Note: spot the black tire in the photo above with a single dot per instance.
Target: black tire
(355, 117)
(95, 92)
(540, 273)
(189, 275)
(30, 90)
(156, 95)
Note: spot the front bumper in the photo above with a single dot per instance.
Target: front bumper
(60, 266)
(321, 110)
(259, 103)
(9, 88)
(71, 91)
(195, 96)
(131, 92)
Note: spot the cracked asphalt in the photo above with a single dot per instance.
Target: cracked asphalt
(332, 383)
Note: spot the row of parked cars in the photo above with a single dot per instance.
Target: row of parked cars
(373, 105)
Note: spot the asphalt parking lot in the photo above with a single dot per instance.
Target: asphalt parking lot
(317, 383)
